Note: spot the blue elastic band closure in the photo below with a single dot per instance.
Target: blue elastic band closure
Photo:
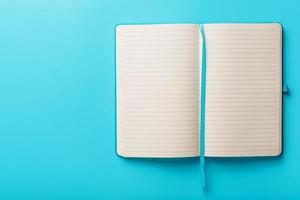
(202, 114)
(285, 89)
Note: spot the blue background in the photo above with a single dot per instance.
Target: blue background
(57, 104)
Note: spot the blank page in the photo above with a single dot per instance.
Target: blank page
(243, 90)
(157, 90)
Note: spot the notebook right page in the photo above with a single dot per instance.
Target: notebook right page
(243, 89)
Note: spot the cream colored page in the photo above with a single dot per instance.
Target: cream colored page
(157, 90)
(243, 90)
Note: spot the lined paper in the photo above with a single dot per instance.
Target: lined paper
(157, 90)
(243, 90)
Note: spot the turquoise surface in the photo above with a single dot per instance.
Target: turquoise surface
(57, 105)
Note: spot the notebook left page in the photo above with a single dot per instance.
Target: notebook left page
(157, 90)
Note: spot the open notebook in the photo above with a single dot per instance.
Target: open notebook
(158, 70)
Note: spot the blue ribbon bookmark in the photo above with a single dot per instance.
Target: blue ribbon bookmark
(202, 114)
